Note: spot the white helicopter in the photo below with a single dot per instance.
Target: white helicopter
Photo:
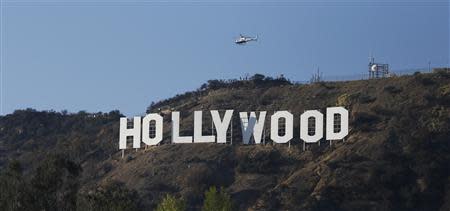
(244, 39)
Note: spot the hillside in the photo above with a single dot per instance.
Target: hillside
(396, 157)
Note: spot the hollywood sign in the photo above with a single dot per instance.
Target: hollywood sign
(250, 126)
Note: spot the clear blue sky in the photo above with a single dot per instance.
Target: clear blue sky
(108, 55)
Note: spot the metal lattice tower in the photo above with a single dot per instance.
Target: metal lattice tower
(378, 70)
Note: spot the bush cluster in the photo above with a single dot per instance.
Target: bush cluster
(215, 200)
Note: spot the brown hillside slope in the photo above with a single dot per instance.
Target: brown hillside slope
(396, 157)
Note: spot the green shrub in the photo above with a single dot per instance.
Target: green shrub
(383, 111)
(113, 196)
(55, 184)
(393, 89)
(365, 121)
(363, 117)
(217, 201)
(13, 194)
(364, 99)
(427, 81)
(170, 203)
